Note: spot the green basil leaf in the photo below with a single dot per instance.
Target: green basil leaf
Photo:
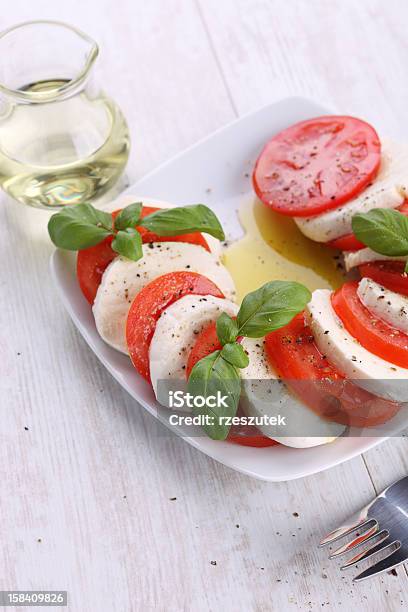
(129, 216)
(128, 243)
(383, 230)
(217, 381)
(234, 353)
(184, 220)
(227, 329)
(79, 227)
(270, 307)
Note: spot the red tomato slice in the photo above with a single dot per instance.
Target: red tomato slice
(92, 262)
(346, 243)
(317, 165)
(404, 207)
(249, 435)
(292, 351)
(206, 343)
(149, 304)
(246, 435)
(371, 332)
(389, 274)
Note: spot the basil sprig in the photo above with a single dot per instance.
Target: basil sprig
(128, 216)
(227, 329)
(83, 226)
(79, 227)
(267, 309)
(184, 220)
(211, 376)
(384, 231)
(270, 307)
(235, 355)
(128, 243)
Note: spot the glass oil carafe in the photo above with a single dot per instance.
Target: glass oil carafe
(62, 140)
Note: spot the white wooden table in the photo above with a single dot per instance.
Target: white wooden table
(96, 501)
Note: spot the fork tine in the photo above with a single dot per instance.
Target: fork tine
(392, 560)
(344, 530)
(356, 542)
(376, 546)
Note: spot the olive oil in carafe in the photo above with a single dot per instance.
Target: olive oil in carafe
(62, 152)
(273, 248)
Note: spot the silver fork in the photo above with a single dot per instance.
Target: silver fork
(385, 521)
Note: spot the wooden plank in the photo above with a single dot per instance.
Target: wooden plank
(328, 51)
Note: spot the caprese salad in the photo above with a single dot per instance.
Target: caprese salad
(159, 292)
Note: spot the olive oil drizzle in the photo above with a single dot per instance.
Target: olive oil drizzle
(274, 248)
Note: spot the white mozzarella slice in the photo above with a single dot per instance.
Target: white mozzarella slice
(387, 305)
(123, 279)
(388, 190)
(125, 200)
(355, 258)
(264, 395)
(175, 335)
(370, 372)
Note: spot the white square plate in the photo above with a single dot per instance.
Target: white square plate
(216, 171)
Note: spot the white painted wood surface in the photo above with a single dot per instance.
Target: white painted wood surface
(88, 479)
